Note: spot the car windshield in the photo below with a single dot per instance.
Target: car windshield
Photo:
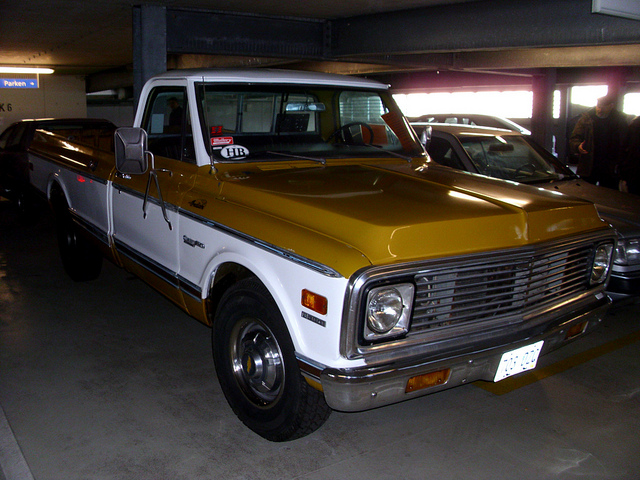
(513, 157)
(284, 122)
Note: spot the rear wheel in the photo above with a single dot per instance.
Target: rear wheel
(81, 260)
(257, 368)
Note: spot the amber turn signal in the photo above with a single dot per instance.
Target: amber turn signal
(314, 302)
(427, 380)
(577, 329)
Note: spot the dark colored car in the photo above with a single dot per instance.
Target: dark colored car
(515, 157)
(17, 137)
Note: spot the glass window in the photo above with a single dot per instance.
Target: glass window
(4, 138)
(168, 124)
(511, 157)
(366, 111)
(276, 122)
(441, 151)
(13, 135)
(260, 112)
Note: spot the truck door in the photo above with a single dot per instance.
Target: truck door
(145, 207)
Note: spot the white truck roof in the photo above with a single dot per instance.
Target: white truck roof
(270, 76)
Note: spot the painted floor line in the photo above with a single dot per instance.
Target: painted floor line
(12, 462)
(509, 384)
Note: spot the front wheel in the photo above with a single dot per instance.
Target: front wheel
(257, 368)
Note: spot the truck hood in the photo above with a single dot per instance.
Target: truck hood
(394, 213)
(622, 210)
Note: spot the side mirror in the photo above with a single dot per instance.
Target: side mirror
(131, 150)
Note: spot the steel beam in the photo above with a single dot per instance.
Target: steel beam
(482, 25)
(216, 33)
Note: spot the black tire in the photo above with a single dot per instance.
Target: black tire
(81, 259)
(257, 368)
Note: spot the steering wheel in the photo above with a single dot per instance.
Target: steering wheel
(526, 166)
(347, 135)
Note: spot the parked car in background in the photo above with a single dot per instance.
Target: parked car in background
(16, 139)
(509, 155)
(471, 119)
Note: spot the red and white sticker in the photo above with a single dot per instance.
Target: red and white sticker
(217, 141)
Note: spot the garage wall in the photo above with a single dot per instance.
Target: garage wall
(120, 115)
(57, 96)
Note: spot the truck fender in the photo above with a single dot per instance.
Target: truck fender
(56, 192)
(227, 268)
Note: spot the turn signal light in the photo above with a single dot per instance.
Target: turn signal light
(427, 380)
(314, 302)
(576, 330)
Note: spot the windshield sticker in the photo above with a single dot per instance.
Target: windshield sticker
(216, 130)
(235, 152)
(216, 141)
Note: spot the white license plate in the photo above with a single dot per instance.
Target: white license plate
(519, 360)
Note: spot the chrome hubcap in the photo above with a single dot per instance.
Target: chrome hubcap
(257, 362)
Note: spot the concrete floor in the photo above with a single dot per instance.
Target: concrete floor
(108, 380)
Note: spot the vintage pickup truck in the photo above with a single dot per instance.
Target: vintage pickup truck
(299, 216)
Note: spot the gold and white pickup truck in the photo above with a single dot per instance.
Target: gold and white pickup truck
(299, 216)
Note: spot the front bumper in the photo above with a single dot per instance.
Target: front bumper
(624, 284)
(364, 388)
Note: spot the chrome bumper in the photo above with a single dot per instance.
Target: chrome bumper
(365, 388)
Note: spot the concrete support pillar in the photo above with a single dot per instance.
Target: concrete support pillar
(542, 116)
(564, 125)
(149, 44)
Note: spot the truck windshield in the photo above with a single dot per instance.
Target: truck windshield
(277, 122)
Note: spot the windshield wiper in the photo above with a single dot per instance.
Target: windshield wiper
(395, 154)
(299, 157)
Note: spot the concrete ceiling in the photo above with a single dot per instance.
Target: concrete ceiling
(393, 37)
(91, 35)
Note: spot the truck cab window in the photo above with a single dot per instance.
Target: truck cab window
(168, 124)
(364, 112)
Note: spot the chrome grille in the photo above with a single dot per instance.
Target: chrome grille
(478, 289)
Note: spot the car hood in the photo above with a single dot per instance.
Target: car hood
(392, 213)
(620, 209)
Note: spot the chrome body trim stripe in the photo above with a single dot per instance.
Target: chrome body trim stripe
(91, 228)
(147, 263)
(189, 288)
(306, 262)
(135, 193)
(318, 267)
(171, 278)
(68, 166)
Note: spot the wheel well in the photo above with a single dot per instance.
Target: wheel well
(226, 275)
(57, 199)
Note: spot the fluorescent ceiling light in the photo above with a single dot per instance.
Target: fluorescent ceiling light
(25, 70)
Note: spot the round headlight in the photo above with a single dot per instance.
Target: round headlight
(628, 252)
(384, 310)
(601, 263)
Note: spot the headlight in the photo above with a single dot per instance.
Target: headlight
(388, 311)
(628, 252)
(601, 263)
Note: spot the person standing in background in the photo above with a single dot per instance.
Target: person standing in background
(598, 140)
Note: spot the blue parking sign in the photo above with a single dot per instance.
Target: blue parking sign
(18, 83)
